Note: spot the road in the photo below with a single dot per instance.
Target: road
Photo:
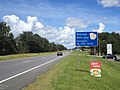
(16, 74)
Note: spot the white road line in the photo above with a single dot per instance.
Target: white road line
(28, 70)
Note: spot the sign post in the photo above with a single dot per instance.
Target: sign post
(89, 39)
(86, 39)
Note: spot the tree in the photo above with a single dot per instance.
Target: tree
(61, 47)
(27, 42)
(45, 45)
(109, 38)
(52, 47)
(23, 42)
(7, 42)
(33, 43)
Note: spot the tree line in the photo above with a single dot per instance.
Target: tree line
(104, 39)
(27, 42)
(107, 38)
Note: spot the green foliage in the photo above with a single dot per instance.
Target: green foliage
(7, 42)
(52, 47)
(107, 38)
(61, 47)
(27, 42)
(33, 43)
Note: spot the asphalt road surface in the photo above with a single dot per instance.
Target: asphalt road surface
(16, 74)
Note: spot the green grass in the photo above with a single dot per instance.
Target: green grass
(16, 56)
(65, 76)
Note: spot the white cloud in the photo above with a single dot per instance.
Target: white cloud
(74, 22)
(18, 26)
(39, 25)
(49, 32)
(101, 28)
(109, 3)
(117, 31)
(66, 36)
(62, 35)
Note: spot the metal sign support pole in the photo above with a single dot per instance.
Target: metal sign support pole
(78, 61)
(94, 53)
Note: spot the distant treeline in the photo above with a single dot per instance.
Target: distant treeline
(104, 39)
(24, 43)
(107, 38)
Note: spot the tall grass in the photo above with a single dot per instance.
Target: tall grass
(16, 56)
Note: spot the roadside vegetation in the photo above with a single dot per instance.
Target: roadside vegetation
(16, 56)
(104, 39)
(65, 75)
(26, 42)
(108, 38)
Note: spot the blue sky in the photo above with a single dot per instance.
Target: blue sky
(77, 15)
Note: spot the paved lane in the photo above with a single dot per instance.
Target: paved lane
(15, 74)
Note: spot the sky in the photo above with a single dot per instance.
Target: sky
(58, 20)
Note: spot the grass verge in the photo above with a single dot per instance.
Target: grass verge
(16, 56)
(64, 76)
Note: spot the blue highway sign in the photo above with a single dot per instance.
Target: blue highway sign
(86, 39)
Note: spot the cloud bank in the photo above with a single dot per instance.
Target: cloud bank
(18, 26)
(110, 3)
(63, 35)
(101, 28)
(74, 22)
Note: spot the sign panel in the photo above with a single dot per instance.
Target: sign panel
(95, 68)
(86, 39)
(109, 48)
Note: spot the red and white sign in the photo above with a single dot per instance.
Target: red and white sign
(95, 68)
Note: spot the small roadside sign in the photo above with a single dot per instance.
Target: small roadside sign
(109, 48)
(95, 68)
